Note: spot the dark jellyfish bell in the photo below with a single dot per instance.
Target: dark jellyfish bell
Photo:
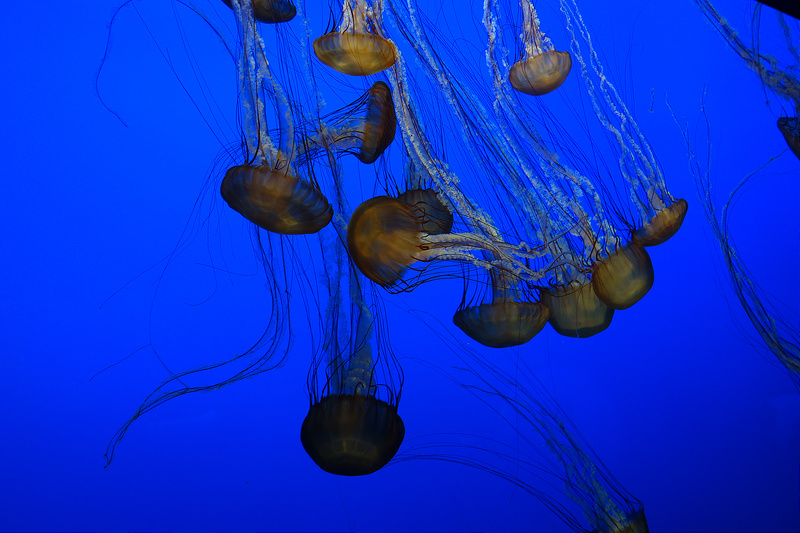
(540, 74)
(790, 127)
(355, 54)
(271, 11)
(383, 236)
(276, 200)
(352, 434)
(502, 324)
(379, 125)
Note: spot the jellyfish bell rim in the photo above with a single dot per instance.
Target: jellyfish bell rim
(338, 426)
(341, 51)
(540, 74)
(275, 200)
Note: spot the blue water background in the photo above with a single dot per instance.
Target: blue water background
(678, 397)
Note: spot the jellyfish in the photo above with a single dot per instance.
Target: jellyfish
(267, 190)
(352, 427)
(275, 200)
(657, 214)
(543, 68)
(507, 320)
(357, 47)
(271, 11)
(385, 238)
(782, 80)
(365, 128)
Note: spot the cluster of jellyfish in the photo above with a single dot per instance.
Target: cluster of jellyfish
(489, 191)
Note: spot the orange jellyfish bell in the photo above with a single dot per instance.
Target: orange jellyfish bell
(383, 237)
(575, 310)
(663, 225)
(351, 49)
(270, 11)
(540, 74)
(275, 200)
(624, 277)
(352, 434)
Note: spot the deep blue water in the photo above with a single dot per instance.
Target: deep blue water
(678, 397)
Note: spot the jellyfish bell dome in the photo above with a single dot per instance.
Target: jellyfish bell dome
(575, 309)
(275, 200)
(663, 225)
(436, 218)
(790, 127)
(383, 237)
(270, 11)
(355, 54)
(502, 324)
(624, 277)
(352, 434)
(541, 73)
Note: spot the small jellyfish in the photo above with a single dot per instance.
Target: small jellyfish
(270, 11)
(503, 322)
(276, 200)
(542, 68)
(353, 49)
(790, 127)
(624, 277)
(575, 309)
